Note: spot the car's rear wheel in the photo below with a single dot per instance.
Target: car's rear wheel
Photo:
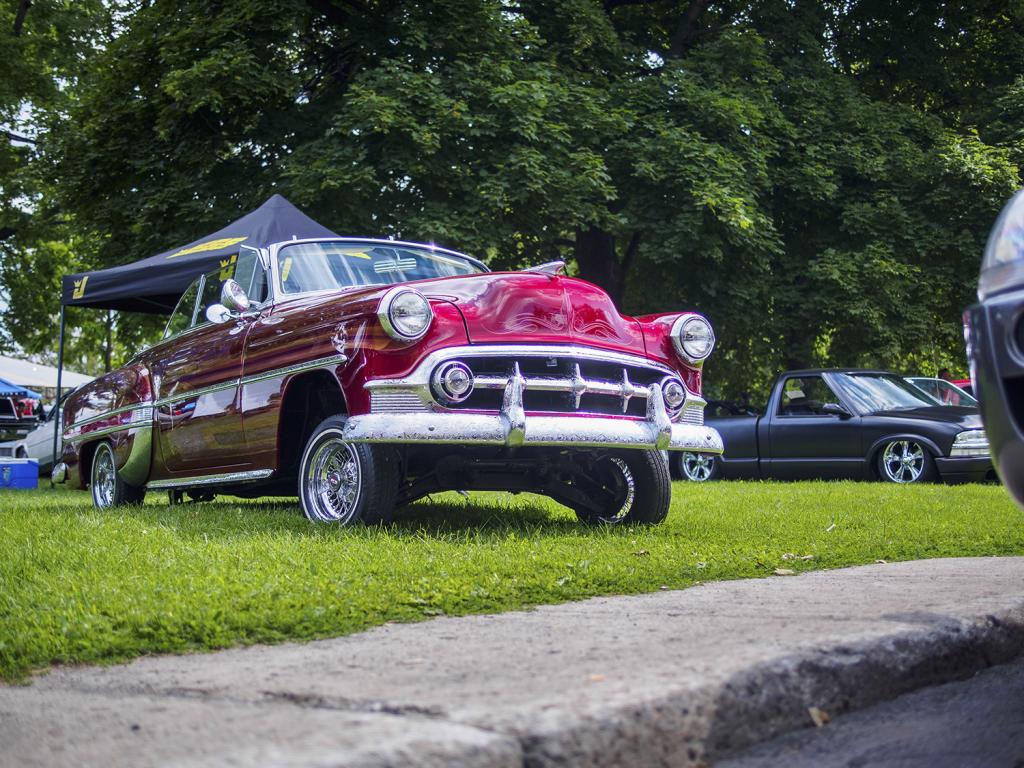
(108, 489)
(346, 483)
(632, 487)
(905, 462)
(696, 467)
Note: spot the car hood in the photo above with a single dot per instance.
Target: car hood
(962, 416)
(510, 307)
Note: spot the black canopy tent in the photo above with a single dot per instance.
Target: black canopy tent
(155, 284)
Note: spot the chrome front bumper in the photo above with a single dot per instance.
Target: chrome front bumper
(512, 427)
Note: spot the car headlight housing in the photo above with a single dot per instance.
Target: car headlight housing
(693, 338)
(1003, 264)
(971, 442)
(405, 314)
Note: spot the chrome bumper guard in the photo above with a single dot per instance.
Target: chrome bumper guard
(511, 427)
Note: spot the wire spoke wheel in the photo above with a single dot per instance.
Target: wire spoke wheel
(697, 467)
(104, 477)
(334, 481)
(621, 486)
(903, 461)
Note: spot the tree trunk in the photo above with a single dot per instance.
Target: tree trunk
(599, 263)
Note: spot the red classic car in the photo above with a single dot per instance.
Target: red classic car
(361, 374)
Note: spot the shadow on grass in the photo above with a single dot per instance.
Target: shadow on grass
(441, 518)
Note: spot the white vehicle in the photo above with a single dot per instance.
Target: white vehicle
(944, 392)
(37, 444)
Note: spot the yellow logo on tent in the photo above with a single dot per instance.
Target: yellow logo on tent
(227, 268)
(209, 245)
(79, 291)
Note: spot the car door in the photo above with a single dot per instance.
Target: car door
(805, 441)
(195, 378)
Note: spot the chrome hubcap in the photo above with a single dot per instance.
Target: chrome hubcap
(103, 477)
(903, 461)
(697, 466)
(333, 482)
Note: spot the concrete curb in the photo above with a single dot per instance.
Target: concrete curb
(674, 678)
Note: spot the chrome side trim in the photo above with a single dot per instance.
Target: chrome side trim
(107, 414)
(196, 393)
(256, 377)
(297, 368)
(142, 416)
(226, 478)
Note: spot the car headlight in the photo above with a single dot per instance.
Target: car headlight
(693, 338)
(972, 442)
(1003, 264)
(405, 314)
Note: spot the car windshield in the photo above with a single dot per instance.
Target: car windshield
(328, 266)
(881, 392)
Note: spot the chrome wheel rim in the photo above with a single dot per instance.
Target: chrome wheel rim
(624, 487)
(333, 481)
(697, 467)
(104, 476)
(903, 461)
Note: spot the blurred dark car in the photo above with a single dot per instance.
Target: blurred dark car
(994, 331)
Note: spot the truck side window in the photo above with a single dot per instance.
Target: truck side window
(251, 275)
(184, 311)
(805, 396)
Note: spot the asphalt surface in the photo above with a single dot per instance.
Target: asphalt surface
(975, 723)
(673, 678)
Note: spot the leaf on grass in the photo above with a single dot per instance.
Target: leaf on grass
(784, 572)
(791, 556)
(818, 716)
(641, 553)
(881, 562)
(830, 528)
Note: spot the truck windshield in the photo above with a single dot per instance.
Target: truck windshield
(307, 267)
(872, 392)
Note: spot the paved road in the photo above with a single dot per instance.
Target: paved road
(973, 723)
(675, 678)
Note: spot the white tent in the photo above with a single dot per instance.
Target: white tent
(31, 375)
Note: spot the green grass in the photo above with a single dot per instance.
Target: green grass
(81, 586)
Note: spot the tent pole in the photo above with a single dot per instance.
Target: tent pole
(56, 404)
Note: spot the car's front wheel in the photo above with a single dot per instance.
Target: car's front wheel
(345, 483)
(631, 487)
(904, 462)
(696, 467)
(108, 489)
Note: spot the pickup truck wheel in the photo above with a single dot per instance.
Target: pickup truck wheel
(637, 489)
(904, 462)
(345, 483)
(697, 467)
(109, 490)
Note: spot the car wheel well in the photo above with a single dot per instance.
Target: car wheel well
(880, 446)
(85, 454)
(308, 399)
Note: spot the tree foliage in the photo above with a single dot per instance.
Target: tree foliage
(817, 176)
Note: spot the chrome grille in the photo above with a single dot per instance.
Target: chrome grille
(693, 414)
(563, 384)
(397, 401)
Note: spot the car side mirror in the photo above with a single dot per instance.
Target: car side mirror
(835, 409)
(233, 297)
(218, 313)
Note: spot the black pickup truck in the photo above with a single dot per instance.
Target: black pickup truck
(847, 423)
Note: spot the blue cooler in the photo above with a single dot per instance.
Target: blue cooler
(20, 474)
